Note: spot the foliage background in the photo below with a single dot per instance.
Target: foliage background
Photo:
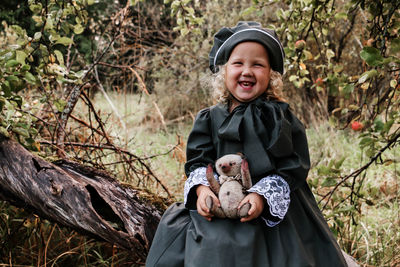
(116, 85)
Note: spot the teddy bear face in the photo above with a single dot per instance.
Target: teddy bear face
(228, 165)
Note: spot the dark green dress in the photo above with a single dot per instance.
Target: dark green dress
(275, 144)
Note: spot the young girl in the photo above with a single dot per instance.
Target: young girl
(284, 226)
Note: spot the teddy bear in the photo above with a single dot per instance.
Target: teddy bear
(234, 180)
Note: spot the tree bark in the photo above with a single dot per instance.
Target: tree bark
(79, 197)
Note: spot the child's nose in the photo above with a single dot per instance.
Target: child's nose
(246, 71)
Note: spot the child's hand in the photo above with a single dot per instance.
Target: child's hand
(257, 206)
(203, 192)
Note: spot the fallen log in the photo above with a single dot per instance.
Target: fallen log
(83, 198)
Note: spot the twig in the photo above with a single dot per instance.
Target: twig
(161, 116)
(87, 125)
(108, 98)
(47, 244)
(119, 150)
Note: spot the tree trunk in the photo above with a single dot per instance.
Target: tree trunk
(79, 197)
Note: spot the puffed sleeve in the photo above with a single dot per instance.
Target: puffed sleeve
(274, 142)
(199, 152)
(289, 155)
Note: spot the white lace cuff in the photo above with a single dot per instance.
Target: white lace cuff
(277, 193)
(196, 177)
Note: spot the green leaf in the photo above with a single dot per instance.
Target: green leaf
(328, 182)
(366, 141)
(49, 24)
(378, 125)
(367, 75)
(59, 56)
(20, 56)
(184, 31)
(395, 46)
(372, 56)
(21, 131)
(338, 68)
(17, 99)
(64, 41)
(293, 78)
(33, 131)
(11, 63)
(30, 78)
(12, 78)
(37, 36)
(339, 163)
(346, 208)
(330, 54)
(38, 20)
(25, 68)
(393, 83)
(78, 29)
(341, 15)
(18, 29)
(65, 28)
(189, 10)
(348, 89)
(388, 125)
(248, 11)
(35, 8)
(323, 170)
(5, 88)
(60, 105)
(4, 132)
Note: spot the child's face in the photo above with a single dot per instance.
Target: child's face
(247, 72)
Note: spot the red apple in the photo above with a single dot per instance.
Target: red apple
(356, 126)
(300, 44)
(319, 82)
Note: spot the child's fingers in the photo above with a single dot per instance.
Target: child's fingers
(202, 208)
(254, 212)
(253, 208)
(244, 201)
(204, 213)
(256, 207)
(248, 218)
(216, 200)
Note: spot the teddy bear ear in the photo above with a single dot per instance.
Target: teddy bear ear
(241, 155)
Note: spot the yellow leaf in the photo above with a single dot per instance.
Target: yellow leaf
(365, 86)
(308, 55)
(37, 145)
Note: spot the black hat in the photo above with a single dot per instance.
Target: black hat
(227, 38)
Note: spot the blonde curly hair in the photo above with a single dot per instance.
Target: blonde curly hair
(221, 94)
